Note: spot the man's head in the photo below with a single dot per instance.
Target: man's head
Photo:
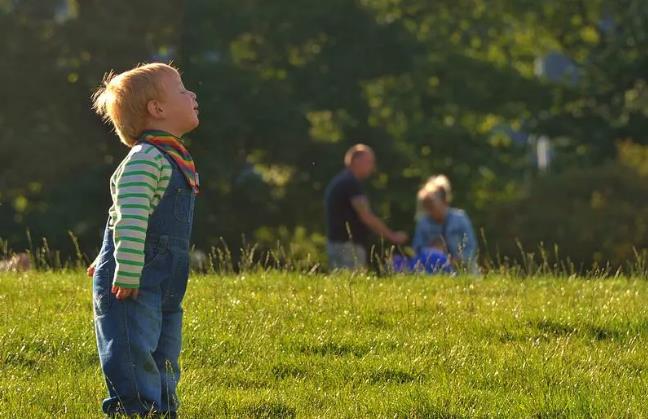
(149, 96)
(360, 160)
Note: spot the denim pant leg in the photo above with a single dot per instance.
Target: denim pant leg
(127, 335)
(170, 343)
(110, 329)
(166, 359)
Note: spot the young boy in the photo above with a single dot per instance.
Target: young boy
(140, 275)
(432, 259)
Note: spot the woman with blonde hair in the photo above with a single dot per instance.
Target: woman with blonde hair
(435, 218)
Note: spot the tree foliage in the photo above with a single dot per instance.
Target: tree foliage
(435, 87)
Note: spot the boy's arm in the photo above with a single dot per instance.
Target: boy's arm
(135, 187)
(91, 268)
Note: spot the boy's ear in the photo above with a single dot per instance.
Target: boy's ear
(155, 109)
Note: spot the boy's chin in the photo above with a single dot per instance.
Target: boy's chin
(193, 125)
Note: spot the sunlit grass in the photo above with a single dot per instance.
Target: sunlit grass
(281, 345)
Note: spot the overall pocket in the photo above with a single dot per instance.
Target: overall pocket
(154, 249)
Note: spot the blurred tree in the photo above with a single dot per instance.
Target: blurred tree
(588, 215)
(455, 87)
(56, 156)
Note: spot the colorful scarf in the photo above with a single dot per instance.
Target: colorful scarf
(173, 146)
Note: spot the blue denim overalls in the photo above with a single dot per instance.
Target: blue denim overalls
(139, 339)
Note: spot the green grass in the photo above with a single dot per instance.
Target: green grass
(283, 345)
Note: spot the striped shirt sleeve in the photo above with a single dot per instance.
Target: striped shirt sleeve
(135, 187)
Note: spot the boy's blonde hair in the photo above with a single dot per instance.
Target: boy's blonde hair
(122, 99)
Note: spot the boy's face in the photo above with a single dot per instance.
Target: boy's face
(180, 105)
(438, 245)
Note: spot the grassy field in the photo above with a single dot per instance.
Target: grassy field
(284, 345)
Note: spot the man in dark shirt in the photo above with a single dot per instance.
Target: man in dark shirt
(348, 214)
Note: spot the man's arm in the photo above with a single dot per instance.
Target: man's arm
(361, 206)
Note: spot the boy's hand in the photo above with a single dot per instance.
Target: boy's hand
(124, 293)
(91, 270)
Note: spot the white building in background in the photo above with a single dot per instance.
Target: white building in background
(543, 153)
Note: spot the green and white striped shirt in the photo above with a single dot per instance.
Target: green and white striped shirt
(136, 187)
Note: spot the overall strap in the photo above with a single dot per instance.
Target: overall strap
(170, 159)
